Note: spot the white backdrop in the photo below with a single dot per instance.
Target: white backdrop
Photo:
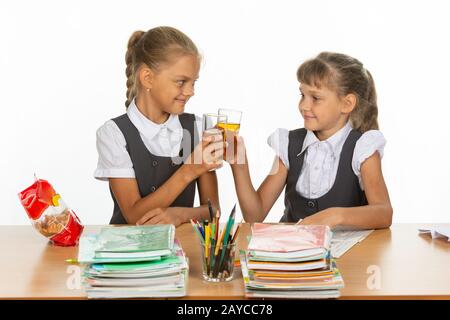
(63, 75)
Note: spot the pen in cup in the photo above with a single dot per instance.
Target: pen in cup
(217, 247)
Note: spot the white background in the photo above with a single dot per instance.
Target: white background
(63, 75)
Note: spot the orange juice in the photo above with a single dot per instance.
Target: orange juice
(231, 127)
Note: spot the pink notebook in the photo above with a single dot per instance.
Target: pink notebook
(288, 238)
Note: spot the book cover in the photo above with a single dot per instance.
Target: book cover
(136, 238)
(288, 238)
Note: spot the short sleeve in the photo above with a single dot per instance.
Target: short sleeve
(370, 142)
(113, 158)
(279, 142)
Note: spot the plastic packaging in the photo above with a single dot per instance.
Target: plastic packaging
(50, 215)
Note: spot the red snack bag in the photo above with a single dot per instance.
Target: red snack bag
(50, 215)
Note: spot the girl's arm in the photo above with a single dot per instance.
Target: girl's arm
(207, 189)
(207, 186)
(134, 207)
(377, 214)
(255, 205)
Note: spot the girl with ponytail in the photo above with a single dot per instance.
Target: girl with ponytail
(151, 155)
(331, 168)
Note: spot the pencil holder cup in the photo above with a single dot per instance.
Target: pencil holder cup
(218, 265)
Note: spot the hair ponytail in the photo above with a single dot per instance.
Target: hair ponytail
(130, 73)
(365, 115)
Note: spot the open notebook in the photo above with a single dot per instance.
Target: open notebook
(344, 240)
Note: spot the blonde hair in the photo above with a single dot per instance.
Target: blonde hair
(346, 75)
(154, 48)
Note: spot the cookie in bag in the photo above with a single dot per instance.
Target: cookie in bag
(50, 215)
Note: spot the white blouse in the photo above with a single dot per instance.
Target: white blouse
(162, 140)
(322, 157)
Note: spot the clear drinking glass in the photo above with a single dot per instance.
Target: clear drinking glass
(233, 119)
(213, 124)
(233, 124)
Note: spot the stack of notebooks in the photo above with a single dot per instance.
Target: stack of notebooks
(290, 261)
(133, 262)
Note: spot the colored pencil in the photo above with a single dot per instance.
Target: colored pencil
(200, 228)
(207, 237)
(217, 224)
(236, 232)
(197, 231)
(219, 242)
(211, 213)
(227, 233)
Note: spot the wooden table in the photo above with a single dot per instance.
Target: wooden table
(408, 266)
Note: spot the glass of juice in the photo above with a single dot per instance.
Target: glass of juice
(233, 123)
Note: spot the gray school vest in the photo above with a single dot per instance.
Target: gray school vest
(345, 191)
(152, 171)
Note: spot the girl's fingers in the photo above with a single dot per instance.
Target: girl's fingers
(212, 138)
(142, 220)
(218, 154)
(212, 149)
(231, 135)
(163, 221)
(155, 220)
(148, 216)
(216, 146)
(206, 141)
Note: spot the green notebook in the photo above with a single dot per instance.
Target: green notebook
(177, 259)
(86, 253)
(136, 239)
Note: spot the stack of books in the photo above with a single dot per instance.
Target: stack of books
(290, 261)
(133, 262)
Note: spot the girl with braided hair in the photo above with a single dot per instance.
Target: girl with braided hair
(151, 155)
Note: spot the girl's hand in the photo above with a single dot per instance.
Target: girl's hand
(208, 155)
(235, 148)
(329, 217)
(163, 216)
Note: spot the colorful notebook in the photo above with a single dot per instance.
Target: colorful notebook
(136, 238)
(127, 244)
(281, 238)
